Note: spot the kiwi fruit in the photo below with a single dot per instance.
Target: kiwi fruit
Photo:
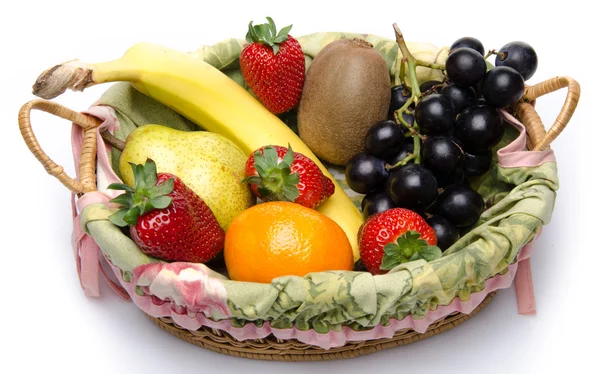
(347, 89)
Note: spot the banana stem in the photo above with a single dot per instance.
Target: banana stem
(77, 76)
(53, 82)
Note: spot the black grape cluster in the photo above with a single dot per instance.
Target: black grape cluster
(458, 124)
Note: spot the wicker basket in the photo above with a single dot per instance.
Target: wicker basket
(271, 348)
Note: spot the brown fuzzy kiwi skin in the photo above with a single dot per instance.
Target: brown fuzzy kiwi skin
(346, 90)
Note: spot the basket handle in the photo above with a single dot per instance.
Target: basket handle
(539, 138)
(87, 161)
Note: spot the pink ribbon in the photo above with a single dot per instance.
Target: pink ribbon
(524, 281)
(88, 257)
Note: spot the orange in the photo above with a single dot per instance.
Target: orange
(279, 238)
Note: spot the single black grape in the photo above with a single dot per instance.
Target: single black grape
(477, 128)
(519, 56)
(413, 187)
(435, 114)
(365, 173)
(441, 155)
(465, 67)
(384, 139)
(399, 97)
(445, 232)
(460, 204)
(376, 202)
(502, 87)
(461, 97)
(477, 163)
(468, 42)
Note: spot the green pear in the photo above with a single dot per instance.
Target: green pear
(208, 163)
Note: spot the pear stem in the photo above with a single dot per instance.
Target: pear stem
(113, 140)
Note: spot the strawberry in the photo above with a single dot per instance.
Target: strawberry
(393, 237)
(272, 65)
(166, 219)
(277, 173)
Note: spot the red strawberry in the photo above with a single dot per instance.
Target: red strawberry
(393, 237)
(277, 173)
(167, 219)
(273, 66)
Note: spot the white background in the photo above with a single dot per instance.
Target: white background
(49, 325)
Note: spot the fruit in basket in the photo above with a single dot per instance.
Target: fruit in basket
(376, 202)
(393, 237)
(465, 67)
(280, 238)
(166, 218)
(461, 97)
(468, 42)
(210, 164)
(384, 138)
(276, 173)
(502, 87)
(347, 90)
(413, 186)
(365, 173)
(519, 56)
(479, 128)
(441, 155)
(272, 65)
(477, 163)
(435, 114)
(460, 204)
(206, 96)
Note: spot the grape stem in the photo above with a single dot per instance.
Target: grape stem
(404, 161)
(502, 55)
(431, 65)
(412, 64)
(411, 61)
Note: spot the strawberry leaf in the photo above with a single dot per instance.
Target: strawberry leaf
(408, 247)
(144, 197)
(132, 215)
(266, 33)
(138, 175)
(272, 28)
(119, 186)
(275, 180)
(252, 179)
(290, 193)
(431, 253)
(117, 218)
(288, 158)
(283, 33)
(160, 202)
(124, 199)
(150, 174)
(162, 189)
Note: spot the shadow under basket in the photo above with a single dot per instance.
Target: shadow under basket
(272, 348)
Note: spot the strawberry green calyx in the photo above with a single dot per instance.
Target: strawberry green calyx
(266, 33)
(275, 180)
(144, 197)
(408, 247)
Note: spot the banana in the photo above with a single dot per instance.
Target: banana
(206, 96)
